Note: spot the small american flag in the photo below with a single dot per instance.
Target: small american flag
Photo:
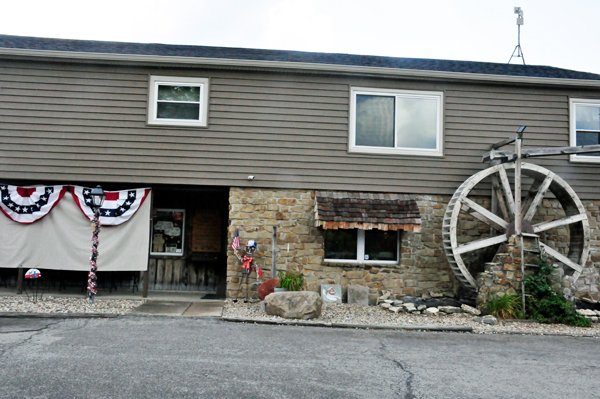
(236, 241)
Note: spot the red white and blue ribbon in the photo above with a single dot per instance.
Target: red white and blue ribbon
(27, 205)
(118, 206)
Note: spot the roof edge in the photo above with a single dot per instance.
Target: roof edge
(287, 65)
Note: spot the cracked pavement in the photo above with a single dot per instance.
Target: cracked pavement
(158, 357)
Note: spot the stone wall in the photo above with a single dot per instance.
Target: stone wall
(423, 266)
(254, 212)
(503, 275)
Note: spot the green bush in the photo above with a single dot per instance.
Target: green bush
(547, 306)
(293, 281)
(505, 307)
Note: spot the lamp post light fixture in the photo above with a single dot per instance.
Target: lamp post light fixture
(97, 195)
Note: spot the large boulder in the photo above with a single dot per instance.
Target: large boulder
(267, 287)
(294, 304)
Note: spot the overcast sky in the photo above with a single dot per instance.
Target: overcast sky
(557, 33)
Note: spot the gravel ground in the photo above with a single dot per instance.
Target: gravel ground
(355, 314)
(332, 313)
(50, 304)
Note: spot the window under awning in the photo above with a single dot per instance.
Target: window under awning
(366, 211)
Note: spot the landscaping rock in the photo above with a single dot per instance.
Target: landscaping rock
(294, 304)
(425, 296)
(471, 302)
(410, 307)
(395, 309)
(433, 303)
(450, 309)
(358, 295)
(385, 305)
(470, 310)
(431, 311)
(410, 299)
(389, 301)
(267, 287)
(398, 302)
(421, 307)
(385, 296)
(450, 302)
(489, 319)
(586, 312)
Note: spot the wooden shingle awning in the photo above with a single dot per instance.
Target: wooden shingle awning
(366, 211)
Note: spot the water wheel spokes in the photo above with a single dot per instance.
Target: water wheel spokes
(462, 251)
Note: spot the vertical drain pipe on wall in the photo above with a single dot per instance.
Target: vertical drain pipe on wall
(274, 253)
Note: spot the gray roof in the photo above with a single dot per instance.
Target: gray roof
(231, 53)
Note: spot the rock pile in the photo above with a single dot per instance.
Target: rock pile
(432, 304)
(593, 315)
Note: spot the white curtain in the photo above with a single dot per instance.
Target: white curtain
(62, 241)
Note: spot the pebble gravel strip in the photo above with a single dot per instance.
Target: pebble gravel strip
(53, 305)
(374, 315)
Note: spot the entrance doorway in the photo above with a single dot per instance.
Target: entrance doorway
(189, 240)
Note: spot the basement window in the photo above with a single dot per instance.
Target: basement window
(361, 246)
(585, 128)
(178, 101)
(384, 121)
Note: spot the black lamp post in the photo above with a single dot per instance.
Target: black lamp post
(97, 195)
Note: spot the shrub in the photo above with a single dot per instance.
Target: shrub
(293, 281)
(505, 307)
(547, 306)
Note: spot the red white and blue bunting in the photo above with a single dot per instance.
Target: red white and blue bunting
(27, 205)
(118, 207)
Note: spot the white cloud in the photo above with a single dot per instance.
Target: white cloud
(297, 25)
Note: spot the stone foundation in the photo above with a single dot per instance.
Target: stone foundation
(503, 276)
(422, 268)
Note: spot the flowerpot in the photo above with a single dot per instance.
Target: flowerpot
(279, 289)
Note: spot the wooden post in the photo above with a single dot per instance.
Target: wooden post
(20, 275)
(147, 272)
(146, 283)
(518, 224)
(274, 253)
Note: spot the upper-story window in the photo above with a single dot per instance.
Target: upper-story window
(178, 101)
(385, 121)
(585, 127)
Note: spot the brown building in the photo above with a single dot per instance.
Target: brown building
(352, 159)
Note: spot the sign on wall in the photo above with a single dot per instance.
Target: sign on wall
(168, 232)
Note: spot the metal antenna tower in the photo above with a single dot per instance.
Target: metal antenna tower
(518, 50)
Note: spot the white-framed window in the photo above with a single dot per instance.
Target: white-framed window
(585, 127)
(362, 246)
(168, 232)
(384, 121)
(178, 101)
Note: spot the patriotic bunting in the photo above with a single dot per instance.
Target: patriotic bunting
(27, 205)
(118, 207)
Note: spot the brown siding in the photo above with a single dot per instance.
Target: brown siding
(289, 130)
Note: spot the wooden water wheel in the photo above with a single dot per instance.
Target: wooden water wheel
(462, 251)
